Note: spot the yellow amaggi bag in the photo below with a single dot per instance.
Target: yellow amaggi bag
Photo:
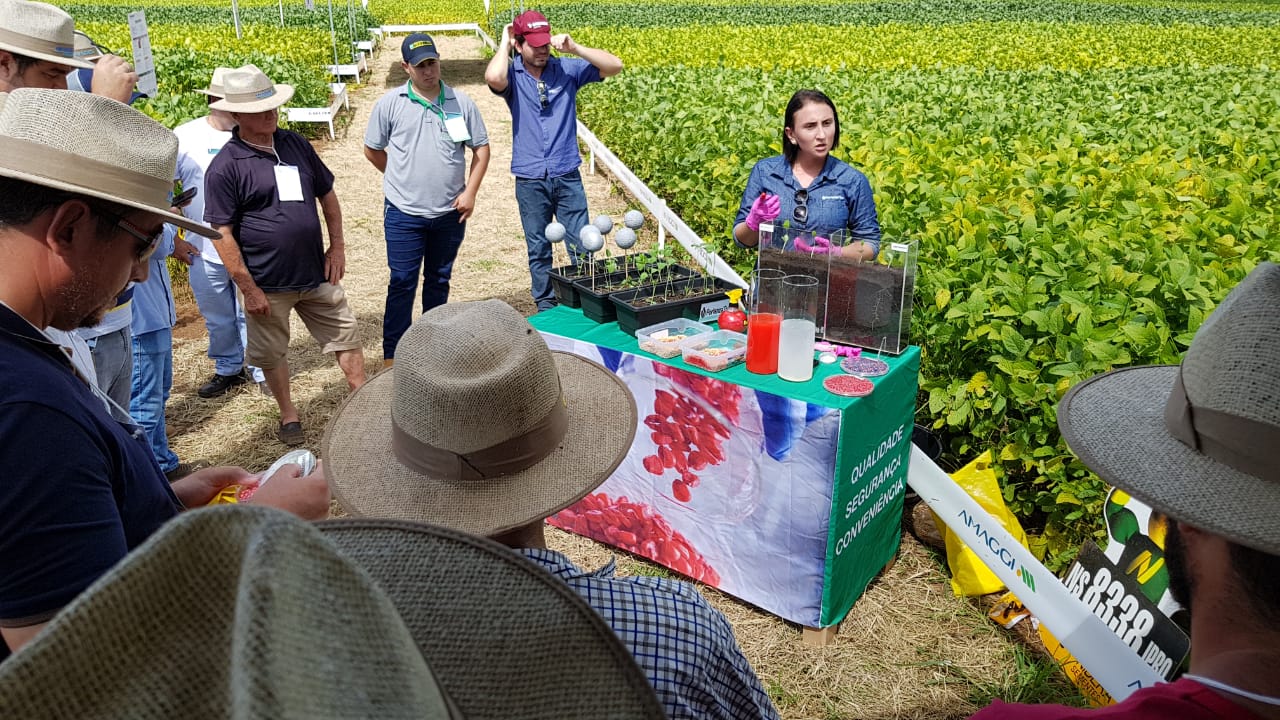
(969, 575)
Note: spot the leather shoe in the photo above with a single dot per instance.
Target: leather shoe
(181, 471)
(291, 434)
(221, 384)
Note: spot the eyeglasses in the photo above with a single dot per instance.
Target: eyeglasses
(801, 213)
(147, 244)
(542, 94)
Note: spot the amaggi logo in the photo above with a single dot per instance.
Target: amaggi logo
(992, 543)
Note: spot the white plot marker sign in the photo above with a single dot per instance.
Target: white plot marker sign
(143, 63)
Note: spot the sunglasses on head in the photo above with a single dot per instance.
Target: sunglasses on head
(147, 244)
(801, 213)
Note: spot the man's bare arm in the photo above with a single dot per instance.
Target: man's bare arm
(377, 157)
(495, 73)
(465, 203)
(335, 258)
(255, 301)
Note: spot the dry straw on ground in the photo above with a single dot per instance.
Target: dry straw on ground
(908, 649)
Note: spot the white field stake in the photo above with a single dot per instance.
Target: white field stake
(1108, 658)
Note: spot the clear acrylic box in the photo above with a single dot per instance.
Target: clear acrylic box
(865, 303)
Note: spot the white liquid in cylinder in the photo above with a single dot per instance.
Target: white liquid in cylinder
(795, 350)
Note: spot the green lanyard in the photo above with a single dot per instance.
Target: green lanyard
(427, 103)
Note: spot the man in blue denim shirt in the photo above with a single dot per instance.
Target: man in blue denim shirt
(541, 92)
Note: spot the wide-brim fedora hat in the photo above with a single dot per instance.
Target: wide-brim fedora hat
(505, 638)
(478, 426)
(39, 31)
(248, 90)
(86, 49)
(217, 82)
(251, 613)
(1199, 441)
(227, 612)
(93, 146)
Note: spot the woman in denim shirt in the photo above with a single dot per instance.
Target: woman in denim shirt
(808, 188)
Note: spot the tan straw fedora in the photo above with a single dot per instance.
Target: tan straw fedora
(217, 81)
(506, 639)
(40, 31)
(93, 146)
(248, 90)
(1197, 441)
(478, 426)
(86, 48)
(250, 613)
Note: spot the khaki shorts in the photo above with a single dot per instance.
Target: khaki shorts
(323, 310)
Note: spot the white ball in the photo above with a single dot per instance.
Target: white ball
(634, 219)
(591, 238)
(555, 232)
(626, 238)
(604, 224)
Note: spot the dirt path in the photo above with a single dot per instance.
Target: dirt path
(908, 649)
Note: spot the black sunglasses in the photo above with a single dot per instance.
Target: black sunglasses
(801, 213)
(147, 244)
(542, 94)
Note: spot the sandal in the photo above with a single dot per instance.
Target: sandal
(291, 434)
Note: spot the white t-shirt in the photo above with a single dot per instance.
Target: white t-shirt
(201, 141)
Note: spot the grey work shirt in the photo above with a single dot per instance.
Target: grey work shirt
(426, 169)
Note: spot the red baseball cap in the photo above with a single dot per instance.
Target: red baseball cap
(533, 27)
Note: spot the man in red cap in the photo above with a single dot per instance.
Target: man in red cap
(541, 91)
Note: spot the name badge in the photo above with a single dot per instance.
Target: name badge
(288, 183)
(457, 128)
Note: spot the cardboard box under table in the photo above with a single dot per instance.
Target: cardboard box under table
(782, 494)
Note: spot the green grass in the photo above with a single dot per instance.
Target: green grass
(1033, 679)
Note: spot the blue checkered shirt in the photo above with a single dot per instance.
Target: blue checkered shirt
(685, 647)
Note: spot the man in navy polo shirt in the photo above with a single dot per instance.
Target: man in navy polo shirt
(260, 194)
(542, 93)
(82, 489)
(416, 138)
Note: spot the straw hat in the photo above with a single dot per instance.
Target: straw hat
(216, 82)
(245, 612)
(249, 90)
(40, 31)
(85, 48)
(505, 638)
(91, 145)
(1198, 441)
(478, 426)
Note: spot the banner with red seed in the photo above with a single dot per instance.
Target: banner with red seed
(733, 486)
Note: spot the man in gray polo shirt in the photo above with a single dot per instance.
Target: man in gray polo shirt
(416, 137)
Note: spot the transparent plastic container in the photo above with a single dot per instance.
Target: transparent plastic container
(664, 338)
(715, 351)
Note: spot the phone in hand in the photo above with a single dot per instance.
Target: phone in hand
(185, 197)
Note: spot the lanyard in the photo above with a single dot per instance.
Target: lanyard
(427, 103)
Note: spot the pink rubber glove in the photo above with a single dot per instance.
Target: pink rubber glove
(764, 209)
(820, 245)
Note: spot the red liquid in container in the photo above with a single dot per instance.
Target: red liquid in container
(763, 332)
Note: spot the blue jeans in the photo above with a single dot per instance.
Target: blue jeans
(223, 317)
(416, 242)
(112, 362)
(540, 199)
(152, 380)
